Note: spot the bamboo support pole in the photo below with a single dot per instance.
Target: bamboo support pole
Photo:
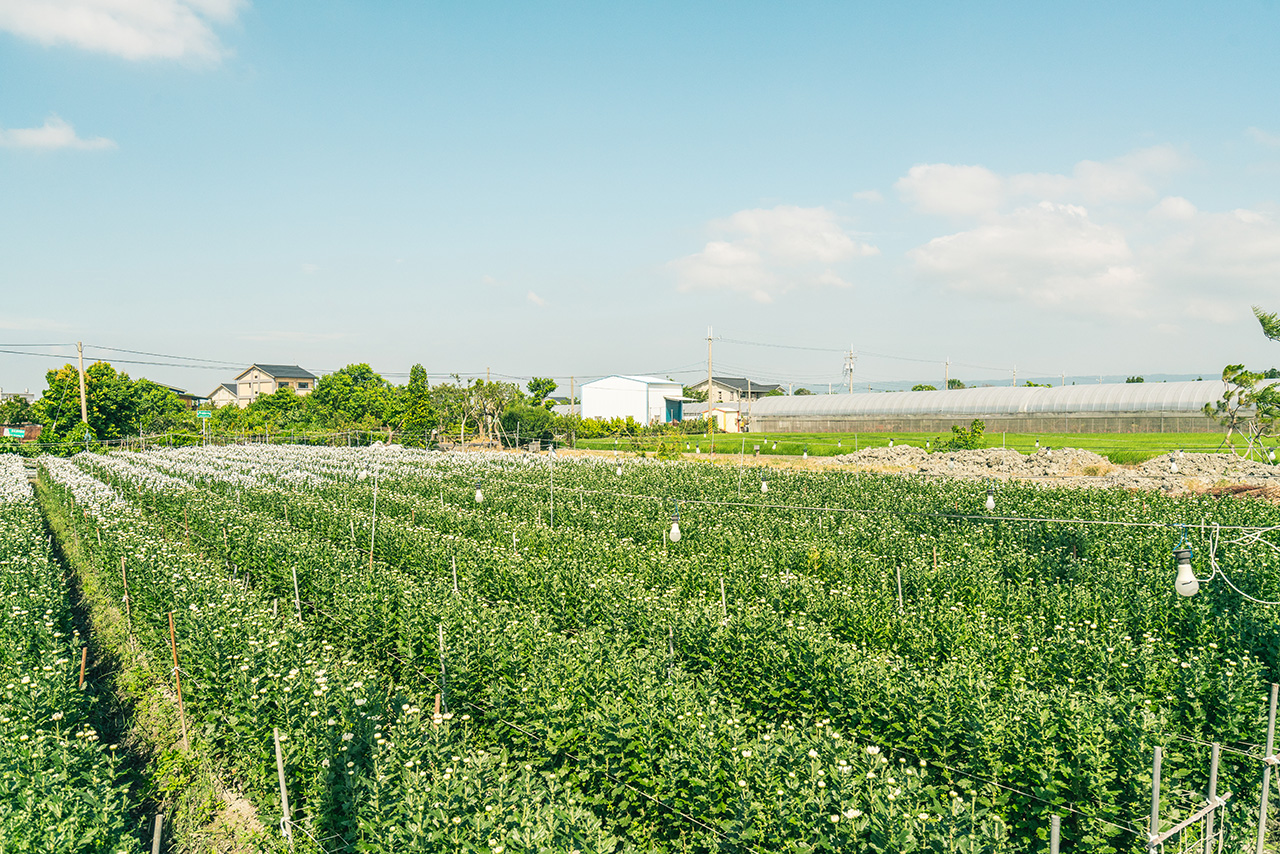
(286, 820)
(84, 658)
(177, 683)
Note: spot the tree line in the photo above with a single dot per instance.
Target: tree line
(355, 398)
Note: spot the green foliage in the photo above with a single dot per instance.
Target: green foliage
(15, 410)
(964, 438)
(954, 383)
(1135, 379)
(598, 693)
(61, 787)
(699, 395)
(923, 387)
(1269, 321)
(1030, 384)
(801, 391)
(539, 388)
(524, 423)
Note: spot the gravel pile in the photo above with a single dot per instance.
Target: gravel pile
(1194, 472)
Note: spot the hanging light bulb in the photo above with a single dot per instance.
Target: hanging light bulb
(806, 453)
(1173, 466)
(1048, 452)
(675, 525)
(1037, 444)
(991, 498)
(890, 443)
(1271, 455)
(764, 485)
(926, 444)
(479, 494)
(1186, 583)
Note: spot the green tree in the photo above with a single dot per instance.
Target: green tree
(523, 423)
(539, 388)
(699, 395)
(417, 415)
(923, 387)
(955, 384)
(1135, 379)
(801, 391)
(355, 396)
(15, 410)
(157, 409)
(1270, 322)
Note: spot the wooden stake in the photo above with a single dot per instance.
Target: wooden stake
(177, 682)
(84, 658)
(443, 690)
(128, 606)
(1154, 830)
(454, 561)
(935, 559)
(1266, 771)
(724, 603)
(1213, 796)
(286, 820)
(155, 834)
(185, 526)
(297, 602)
(898, 570)
(1055, 825)
(435, 719)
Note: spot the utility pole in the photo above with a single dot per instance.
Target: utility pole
(573, 396)
(850, 361)
(946, 374)
(1064, 378)
(1015, 376)
(710, 414)
(84, 402)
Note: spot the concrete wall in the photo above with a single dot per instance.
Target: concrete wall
(1110, 422)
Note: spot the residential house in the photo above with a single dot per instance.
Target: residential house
(258, 380)
(225, 393)
(734, 389)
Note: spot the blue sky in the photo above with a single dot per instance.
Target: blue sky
(583, 189)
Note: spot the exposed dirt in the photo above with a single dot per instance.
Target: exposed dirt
(1172, 473)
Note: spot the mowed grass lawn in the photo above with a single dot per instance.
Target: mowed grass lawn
(1120, 448)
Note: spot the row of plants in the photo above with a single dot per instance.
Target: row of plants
(527, 716)
(1008, 648)
(63, 787)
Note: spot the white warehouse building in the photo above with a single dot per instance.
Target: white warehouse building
(648, 400)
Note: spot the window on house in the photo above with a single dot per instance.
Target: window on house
(302, 385)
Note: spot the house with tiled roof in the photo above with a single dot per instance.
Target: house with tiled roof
(733, 389)
(258, 380)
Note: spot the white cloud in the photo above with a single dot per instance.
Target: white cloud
(1232, 256)
(869, 196)
(974, 191)
(1262, 137)
(1174, 208)
(941, 188)
(132, 29)
(535, 299)
(767, 252)
(1050, 254)
(54, 134)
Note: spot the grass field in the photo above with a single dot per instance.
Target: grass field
(1120, 448)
